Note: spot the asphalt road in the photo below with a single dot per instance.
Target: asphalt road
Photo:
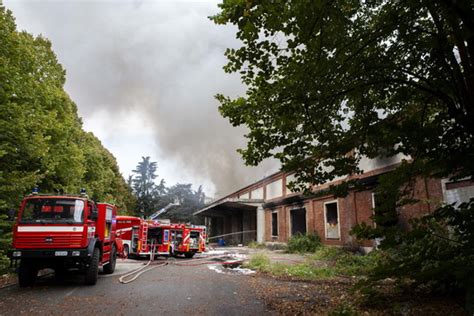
(180, 290)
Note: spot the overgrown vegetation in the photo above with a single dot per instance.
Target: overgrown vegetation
(325, 262)
(437, 255)
(304, 243)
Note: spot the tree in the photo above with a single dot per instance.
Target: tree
(189, 202)
(42, 142)
(144, 185)
(378, 77)
(329, 82)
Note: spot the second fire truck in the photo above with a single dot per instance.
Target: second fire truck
(144, 237)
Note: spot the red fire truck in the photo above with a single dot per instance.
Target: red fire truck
(64, 232)
(142, 237)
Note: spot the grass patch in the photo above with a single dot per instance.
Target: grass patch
(259, 262)
(256, 245)
(306, 270)
(326, 262)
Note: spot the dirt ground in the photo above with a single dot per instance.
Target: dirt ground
(293, 296)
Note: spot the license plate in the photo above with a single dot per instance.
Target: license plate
(60, 253)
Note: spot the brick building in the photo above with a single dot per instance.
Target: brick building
(267, 211)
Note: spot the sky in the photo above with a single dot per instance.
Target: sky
(143, 75)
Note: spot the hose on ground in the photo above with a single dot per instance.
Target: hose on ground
(137, 272)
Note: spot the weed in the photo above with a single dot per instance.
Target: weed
(304, 243)
(259, 262)
(344, 310)
(256, 245)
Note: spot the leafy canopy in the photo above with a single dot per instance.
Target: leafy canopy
(325, 78)
(42, 142)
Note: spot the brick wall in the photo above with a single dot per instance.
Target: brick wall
(355, 208)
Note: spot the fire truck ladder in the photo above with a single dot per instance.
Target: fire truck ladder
(145, 237)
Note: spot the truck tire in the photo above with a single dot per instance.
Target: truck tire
(189, 254)
(109, 268)
(27, 273)
(92, 271)
(126, 251)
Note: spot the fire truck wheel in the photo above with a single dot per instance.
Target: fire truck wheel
(27, 273)
(92, 271)
(109, 268)
(189, 254)
(126, 251)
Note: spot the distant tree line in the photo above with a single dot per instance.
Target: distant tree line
(42, 142)
(152, 197)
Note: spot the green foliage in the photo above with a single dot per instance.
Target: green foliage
(144, 186)
(259, 262)
(151, 197)
(437, 254)
(325, 78)
(256, 245)
(347, 263)
(326, 262)
(304, 243)
(42, 142)
(305, 271)
(331, 82)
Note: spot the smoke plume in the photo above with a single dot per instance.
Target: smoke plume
(161, 61)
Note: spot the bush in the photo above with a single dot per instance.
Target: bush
(304, 243)
(436, 254)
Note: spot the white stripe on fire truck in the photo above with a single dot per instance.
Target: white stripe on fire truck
(124, 230)
(50, 228)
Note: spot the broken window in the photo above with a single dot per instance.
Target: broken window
(274, 224)
(298, 221)
(331, 216)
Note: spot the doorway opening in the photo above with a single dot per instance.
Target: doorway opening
(298, 221)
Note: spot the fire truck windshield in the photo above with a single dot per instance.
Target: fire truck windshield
(53, 211)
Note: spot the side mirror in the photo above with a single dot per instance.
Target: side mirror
(93, 215)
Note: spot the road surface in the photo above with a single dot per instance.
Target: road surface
(170, 289)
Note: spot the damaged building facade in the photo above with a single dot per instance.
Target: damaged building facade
(267, 211)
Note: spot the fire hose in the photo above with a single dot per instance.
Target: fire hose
(133, 275)
(137, 272)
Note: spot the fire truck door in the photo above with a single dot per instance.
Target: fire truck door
(134, 241)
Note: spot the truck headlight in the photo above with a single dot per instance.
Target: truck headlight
(76, 253)
(16, 253)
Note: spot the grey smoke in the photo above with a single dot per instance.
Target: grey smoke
(162, 59)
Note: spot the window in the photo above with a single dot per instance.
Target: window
(331, 217)
(42, 210)
(384, 210)
(298, 221)
(275, 189)
(275, 224)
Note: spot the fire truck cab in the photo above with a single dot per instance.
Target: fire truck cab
(63, 232)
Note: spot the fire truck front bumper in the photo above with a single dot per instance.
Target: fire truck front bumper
(48, 253)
